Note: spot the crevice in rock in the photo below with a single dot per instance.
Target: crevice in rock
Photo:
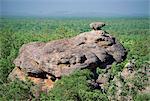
(109, 61)
(41, 75)
(63, 57)
(83, 59)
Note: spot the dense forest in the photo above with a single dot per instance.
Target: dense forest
(133, 33)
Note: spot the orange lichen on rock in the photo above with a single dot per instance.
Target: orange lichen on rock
(45, 62)
(48, 84)
(45, 83)
(17, 73)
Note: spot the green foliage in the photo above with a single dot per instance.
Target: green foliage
(140, 80)
(133, 33)
(16, 90)
(142, 97)
(74, 88)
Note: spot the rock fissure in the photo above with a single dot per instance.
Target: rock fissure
(50, 61)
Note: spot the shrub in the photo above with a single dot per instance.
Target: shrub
(16, 90)
(74, 88)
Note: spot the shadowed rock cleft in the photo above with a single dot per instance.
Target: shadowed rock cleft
(47, 62)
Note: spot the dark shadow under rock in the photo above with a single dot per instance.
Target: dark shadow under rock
(62, 57)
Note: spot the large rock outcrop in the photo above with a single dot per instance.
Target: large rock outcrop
(51, 60)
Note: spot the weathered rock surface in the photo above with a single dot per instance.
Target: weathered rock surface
(97, 25)
(61, 57)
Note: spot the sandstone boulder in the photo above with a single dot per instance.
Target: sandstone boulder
(53, 59)
(97, 25)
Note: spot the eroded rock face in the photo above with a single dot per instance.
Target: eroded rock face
(61, 57)
(97, 25)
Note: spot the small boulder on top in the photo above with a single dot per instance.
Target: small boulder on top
(47, 62)
(97, 25)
